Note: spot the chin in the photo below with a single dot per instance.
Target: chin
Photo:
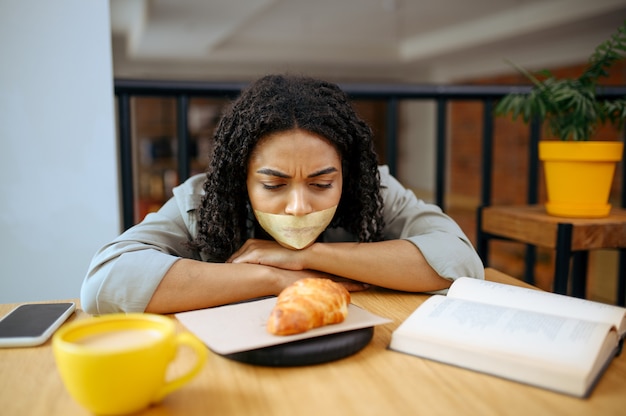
(295, 248)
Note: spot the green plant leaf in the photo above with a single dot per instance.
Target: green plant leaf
(570, 106)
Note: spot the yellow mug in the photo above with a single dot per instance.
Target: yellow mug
(117, 364)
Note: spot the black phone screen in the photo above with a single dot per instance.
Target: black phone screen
(31, 320)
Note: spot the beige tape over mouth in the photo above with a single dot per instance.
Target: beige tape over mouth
(295, 232)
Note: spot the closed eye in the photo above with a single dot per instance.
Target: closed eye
(323, 185)
(272, 187)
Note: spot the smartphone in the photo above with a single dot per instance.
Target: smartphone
(33, 323)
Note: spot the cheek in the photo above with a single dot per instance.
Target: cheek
(264, 201)
(336, 197)
(326, 199)
(258, 201)
(337, 192)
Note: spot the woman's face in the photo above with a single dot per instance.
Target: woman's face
(294, 185)
(294, 172)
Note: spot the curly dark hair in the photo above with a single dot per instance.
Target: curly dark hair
(278, 103)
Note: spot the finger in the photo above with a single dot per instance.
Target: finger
(235, 258)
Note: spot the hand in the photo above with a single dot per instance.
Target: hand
(268, 253)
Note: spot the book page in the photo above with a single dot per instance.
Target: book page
(528, 335)
(550, 351)
(538, 301)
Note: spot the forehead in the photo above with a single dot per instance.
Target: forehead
(294, 145)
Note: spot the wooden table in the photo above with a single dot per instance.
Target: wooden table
(375, 381)
(570, 238)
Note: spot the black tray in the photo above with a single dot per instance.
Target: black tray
(308, 351)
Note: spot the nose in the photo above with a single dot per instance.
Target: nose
(298, 203)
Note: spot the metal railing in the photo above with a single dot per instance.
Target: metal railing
(182, 91)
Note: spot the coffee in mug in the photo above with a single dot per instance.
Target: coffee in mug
(119, 340)
(117, 364)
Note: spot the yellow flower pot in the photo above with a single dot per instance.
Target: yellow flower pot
(579, 176)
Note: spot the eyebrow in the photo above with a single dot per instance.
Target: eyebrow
(273, 172)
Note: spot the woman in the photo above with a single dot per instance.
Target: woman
(293, 190)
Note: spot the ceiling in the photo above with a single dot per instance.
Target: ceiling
(354, 40)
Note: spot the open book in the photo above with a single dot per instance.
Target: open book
(530, 336)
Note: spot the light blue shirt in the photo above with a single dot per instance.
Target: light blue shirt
(124, 274)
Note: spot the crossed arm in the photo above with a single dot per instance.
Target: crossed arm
(262, 268)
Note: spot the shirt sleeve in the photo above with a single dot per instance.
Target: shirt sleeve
(439, 238)
(124, 274)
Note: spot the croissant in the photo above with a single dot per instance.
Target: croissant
(306, 304)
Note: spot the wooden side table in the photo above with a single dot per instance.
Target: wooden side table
(571, 238)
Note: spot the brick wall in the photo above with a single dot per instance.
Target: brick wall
(510, 142)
